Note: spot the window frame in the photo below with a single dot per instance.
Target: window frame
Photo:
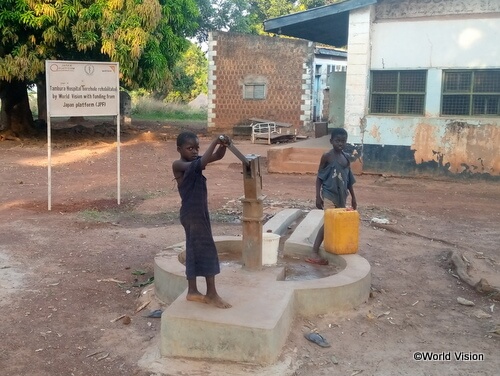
(470, 93)
(254, 85)
(398, 93)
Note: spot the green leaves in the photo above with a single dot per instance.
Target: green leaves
(190, 76)
(246, 16)
(146, 37)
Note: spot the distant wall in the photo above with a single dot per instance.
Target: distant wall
(282, 65)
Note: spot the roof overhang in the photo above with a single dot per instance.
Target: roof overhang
(328, 24)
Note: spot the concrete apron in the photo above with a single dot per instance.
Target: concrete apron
(255, 329)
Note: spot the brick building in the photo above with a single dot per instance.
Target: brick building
(254, 76)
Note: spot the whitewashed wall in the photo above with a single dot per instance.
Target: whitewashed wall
(436, 43)
(358, 69)
(433, 45)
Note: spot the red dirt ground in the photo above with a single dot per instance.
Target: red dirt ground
(66, 274)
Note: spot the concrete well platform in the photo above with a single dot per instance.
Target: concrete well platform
(264, 303)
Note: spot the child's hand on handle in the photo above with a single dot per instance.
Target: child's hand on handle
(224, 140)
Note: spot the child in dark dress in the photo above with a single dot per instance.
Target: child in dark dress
(333, 184)
(201, 255)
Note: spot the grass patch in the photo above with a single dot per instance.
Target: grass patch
(128, 218)
(131, 219)
(93, 215)
(145, 108)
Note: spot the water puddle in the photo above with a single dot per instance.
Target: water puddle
(299, 270)
(296, 269)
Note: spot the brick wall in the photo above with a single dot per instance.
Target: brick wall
(284, 65)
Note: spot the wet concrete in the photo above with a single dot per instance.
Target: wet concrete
(296, 269)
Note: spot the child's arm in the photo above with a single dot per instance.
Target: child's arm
(354, 203)
(319, 182)
(210, 156)
(178, 168)
(221, 150)
(350, 188)
(319, 199)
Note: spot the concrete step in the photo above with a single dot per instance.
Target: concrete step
(301, 157)
(294, 160)
(253, 330)
(304, 156)
(299, 243)
(280, 222)
(294, 168)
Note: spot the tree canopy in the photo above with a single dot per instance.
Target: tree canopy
(230, 15)
(190, 76)
(246, 16)
(145, 37)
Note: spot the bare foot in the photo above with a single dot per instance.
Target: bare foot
(217, 301)
(196, 297)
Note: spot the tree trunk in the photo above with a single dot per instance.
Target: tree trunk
(15, 114)
(41, 97)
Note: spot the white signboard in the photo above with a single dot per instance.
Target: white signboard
(82, 88)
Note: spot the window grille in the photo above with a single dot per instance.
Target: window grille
(471, 92)
(254, 91)
(398, 92)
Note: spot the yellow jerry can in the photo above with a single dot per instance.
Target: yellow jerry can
(341, 231)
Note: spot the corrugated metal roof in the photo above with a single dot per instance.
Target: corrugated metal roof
(328, 24)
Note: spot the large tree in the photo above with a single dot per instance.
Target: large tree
(230, 15)
(146, 37)
(261, 10)
(190, 76)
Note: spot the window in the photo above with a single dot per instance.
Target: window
(336, 68)
(254, 91)
(398, 92)
(471, 92)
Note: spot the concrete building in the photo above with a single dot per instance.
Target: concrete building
(422, 89)
(327, 61)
